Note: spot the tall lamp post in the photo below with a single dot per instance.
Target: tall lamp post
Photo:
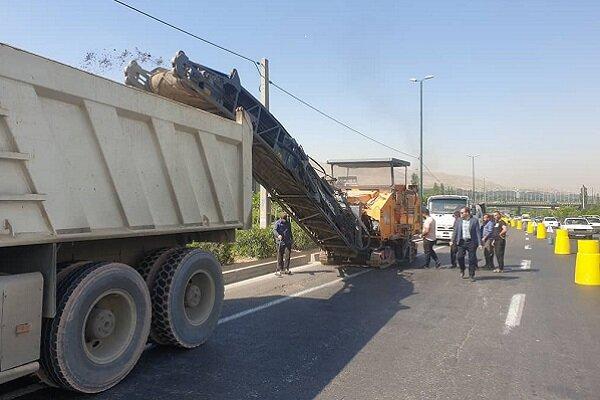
(473, 172)
(420, 82)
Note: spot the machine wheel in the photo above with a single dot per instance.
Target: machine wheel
(187, 295)
(100, 328)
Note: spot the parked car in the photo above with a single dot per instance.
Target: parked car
(578, 228)
(591, 216)
(594, 222)
(550, 222)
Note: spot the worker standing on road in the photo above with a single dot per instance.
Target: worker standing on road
(487, 238)
(500, 230)
(466, 236)
(453, 247)
(428, 235)
(282, 230)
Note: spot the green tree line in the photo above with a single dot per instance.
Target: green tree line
(256, 242)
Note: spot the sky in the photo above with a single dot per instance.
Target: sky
(515, 81)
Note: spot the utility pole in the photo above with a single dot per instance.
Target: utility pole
(473, 174)
(420, 81)
(265, 202)
(484, 191)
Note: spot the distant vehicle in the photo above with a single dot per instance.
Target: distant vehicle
(442, 208)
(525, 217)
(550, 222)
(594, 222)
(537, 219)
(591, 216)
(578, 228)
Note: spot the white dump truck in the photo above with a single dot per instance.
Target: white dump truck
(101, 187)
(442, 208)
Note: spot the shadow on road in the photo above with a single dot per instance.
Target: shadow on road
(495, 277)
(290, 351)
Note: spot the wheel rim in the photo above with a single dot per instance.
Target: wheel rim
(109, 326)
(199, 297)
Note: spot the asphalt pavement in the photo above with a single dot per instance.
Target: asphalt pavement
(416, 333)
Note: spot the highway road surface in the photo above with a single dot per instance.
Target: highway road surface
(360, 333)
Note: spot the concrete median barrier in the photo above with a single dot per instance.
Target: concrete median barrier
(243, 271)
(587, 264)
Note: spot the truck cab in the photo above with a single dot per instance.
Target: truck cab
(442, 209)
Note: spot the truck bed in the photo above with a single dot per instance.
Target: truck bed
(83, 157)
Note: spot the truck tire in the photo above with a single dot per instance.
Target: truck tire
(153, 260)
(187, 296)
(100, 329)
(148, 267)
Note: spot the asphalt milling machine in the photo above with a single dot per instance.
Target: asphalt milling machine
(332, 215)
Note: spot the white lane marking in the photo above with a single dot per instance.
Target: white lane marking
(266, 276)
(289, 297)
(527, 247)
(261, 265)
(527, 238)
(515, 311)
(526, 264)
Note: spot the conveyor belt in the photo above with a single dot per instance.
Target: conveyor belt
(278, 162)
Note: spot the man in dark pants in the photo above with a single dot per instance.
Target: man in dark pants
(500, 230)
(428, 235)
(282, 229)
(453, 247)
(466, 236)
(487, 240)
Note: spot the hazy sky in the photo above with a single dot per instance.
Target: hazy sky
(517, 81)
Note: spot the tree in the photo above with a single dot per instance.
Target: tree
(442, 188)
(414, 179)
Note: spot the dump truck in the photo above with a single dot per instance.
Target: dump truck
(103, 185)
(101, 188)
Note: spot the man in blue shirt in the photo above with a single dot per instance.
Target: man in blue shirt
(487, 237)
(282, 230)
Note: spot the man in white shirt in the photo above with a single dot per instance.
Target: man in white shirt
(429, 239)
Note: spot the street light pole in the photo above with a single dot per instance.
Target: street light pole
(473, 173)
(420, 82)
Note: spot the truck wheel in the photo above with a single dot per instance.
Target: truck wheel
(187, 295)
(153, 260)
(100, 328)
(148, 267)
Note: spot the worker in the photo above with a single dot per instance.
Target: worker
(466, 235)
(453, 247)
(487, 238)
(429, 239)
(500, 230)
(366, 220)
(282, 229)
